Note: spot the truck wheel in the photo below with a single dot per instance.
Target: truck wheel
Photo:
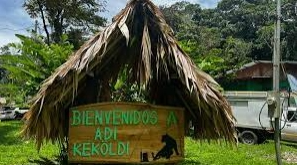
(248, 137)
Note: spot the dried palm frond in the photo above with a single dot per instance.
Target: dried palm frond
(139, 41)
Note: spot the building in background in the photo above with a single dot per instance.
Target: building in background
(257, 76)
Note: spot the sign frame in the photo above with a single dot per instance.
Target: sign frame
(124, 132)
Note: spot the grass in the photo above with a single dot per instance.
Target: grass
(205, 154)
(15, 151)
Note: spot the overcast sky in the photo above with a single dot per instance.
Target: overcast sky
(14, 19)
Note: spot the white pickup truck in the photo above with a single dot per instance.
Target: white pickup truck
(253, 123)
(8, 113)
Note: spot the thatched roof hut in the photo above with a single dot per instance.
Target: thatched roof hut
(140, 42)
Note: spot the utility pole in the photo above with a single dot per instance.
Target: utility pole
(35, 30)
(276, 79)
(36, 26)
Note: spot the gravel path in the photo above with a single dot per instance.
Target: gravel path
(290, 157)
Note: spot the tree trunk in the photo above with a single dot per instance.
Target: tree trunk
(43, 21)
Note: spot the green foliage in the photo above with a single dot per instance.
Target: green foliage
(289, 32)
(67, 16)
(215, 55)
(33, 62)
(233, 33)
(212, 63)
(252, 21)
(203, 153)
(16, 150)
(180, 15)
(235, 51)
(201, 35)
(123, 90)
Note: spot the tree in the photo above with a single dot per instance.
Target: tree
(235, 52)
(289, 33)
(3, 73)
(211, 37)
(179, 15)
(64, 15)
(26, 69)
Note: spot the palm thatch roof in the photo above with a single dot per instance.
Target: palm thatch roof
(139, 41)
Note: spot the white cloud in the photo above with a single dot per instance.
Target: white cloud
(207, 3)
(113, 7)
(7, 38)
(9, 29)
(14, 20)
